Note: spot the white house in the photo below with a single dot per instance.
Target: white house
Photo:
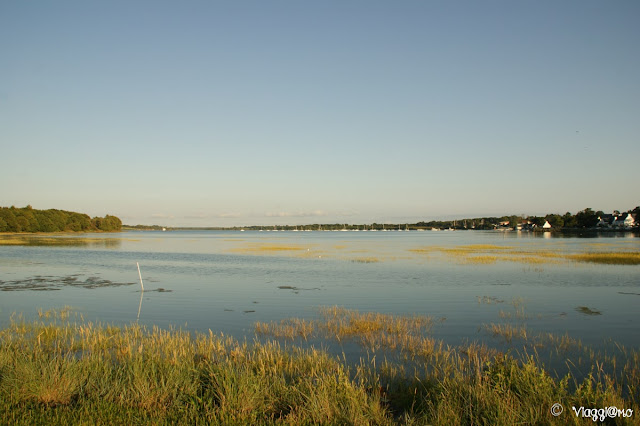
(546, 225)
(605, 221)
(623, 222)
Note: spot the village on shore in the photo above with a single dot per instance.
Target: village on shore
(586, 220)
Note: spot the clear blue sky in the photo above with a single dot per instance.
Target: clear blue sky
(211, 113)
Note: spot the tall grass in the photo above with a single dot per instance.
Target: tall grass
(57, 370)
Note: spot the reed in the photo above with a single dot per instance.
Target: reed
(507, 331)
(59, 370)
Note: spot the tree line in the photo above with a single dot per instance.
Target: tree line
(28, 219)
(587, 218)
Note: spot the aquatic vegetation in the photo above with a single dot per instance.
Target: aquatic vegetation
(481, 247)
(618, 258)
(366, 260)
(587, 311)
(628, 292)
(69, 372)
(489, 254)
(266, 248)
(370, 329)
(489, 300)
(423, 250)
(62, 314)
(507, 331)
(287, 328)
(481, 259)
(62, 240)
(50, 283)
(295, 289)
(518, 315)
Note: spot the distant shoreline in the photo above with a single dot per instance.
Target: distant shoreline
(572, 231)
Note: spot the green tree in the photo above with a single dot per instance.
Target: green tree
(29, 215)
(107, 223)
(569, 220)
(537, 220)
(586, 218)
(10, 219)
(555, 220)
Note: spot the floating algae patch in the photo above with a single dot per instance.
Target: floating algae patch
(51, 283)
(587, 311)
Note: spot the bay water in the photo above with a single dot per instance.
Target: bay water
(225, 281)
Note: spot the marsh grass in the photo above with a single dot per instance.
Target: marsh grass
(268, 248)
(59, 370)
(618, 258)
(507, 331)
(371, 330)
(490, 254)
(369, 259)
(56, 240)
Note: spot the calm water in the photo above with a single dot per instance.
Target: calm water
(225, 281)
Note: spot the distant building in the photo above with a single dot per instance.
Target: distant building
(605, 221)
(546, 225)
(625, 221)
(620, 221)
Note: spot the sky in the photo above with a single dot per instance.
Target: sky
(232, 113)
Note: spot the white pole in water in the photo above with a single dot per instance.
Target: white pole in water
(140, 275)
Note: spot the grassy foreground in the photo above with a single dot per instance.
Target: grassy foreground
(58, 371)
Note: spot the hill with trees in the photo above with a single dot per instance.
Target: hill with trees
(28, 219)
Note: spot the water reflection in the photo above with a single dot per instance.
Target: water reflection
(140, 305)
(60, 241)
